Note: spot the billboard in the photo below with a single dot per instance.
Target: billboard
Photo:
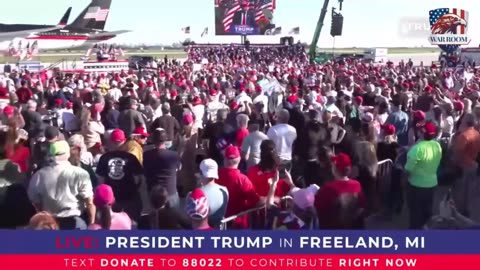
(244, 17)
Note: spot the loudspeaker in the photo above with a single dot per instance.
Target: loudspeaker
(290, 41)
(247, 44)
(286, 41)
(337, 25)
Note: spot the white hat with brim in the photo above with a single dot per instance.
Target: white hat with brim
(209, 168)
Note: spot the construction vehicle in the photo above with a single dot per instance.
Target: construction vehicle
(449, 59)
(313, 46)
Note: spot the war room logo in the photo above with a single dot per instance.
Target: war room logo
(449, 28)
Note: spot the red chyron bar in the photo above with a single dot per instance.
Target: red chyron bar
(243, 262)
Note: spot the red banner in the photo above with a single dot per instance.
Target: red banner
(243, 262)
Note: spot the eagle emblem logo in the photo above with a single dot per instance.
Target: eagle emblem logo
(448, 28)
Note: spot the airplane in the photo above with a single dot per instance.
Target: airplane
(86, 29)
(10, 31)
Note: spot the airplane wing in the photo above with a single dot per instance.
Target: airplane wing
(108, 33)
(30, 32)
(26, 33)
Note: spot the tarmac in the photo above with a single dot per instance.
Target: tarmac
(417, 58)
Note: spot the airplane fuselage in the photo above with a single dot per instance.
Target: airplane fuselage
(58, 39)
(86, 29)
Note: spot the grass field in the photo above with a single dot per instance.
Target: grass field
(76, 55)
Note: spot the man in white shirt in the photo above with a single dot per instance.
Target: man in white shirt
(251, 144)
(114, 92)
(263, 99)
(449, 80)
(67, 118)
(198, 110)
(283, 135)
(331, 107)
(213, 106)
(241, 99)
(63, 190)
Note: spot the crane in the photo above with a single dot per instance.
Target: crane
(313, 46)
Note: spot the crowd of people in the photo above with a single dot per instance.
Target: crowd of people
(194, 144)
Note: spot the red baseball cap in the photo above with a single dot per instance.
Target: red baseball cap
(69, 105)
(428, 88)
(117, 136)
(188, 119)
(234, 105)
(196, 101)
(419, 116)
(232, 152)
(388, 129)
(140, 131)
(103, 196)
(8, 110)
(212, 92)
(341, 161)
(358, 99)
(429, 129)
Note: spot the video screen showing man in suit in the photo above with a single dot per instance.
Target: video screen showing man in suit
(243, 17)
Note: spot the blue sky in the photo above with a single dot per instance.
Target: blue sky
(367, 23)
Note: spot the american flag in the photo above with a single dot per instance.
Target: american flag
(294, 31)
(100, 15)
(439, 12)
(186, 30)
(232, 7)
(264, 5)
(205, 32)
(277, 31)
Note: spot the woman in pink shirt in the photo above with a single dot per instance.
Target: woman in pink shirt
(106, 218)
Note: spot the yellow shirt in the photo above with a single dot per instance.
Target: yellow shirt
(134, 148)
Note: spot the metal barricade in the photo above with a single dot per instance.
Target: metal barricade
(384, 179)
(251, 212)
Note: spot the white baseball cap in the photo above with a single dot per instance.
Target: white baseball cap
(209, 168)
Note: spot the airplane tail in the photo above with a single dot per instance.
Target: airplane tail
(65, 18)
(94, 16)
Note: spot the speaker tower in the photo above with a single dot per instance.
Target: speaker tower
(337, 24)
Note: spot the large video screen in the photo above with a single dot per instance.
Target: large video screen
(244, 17)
